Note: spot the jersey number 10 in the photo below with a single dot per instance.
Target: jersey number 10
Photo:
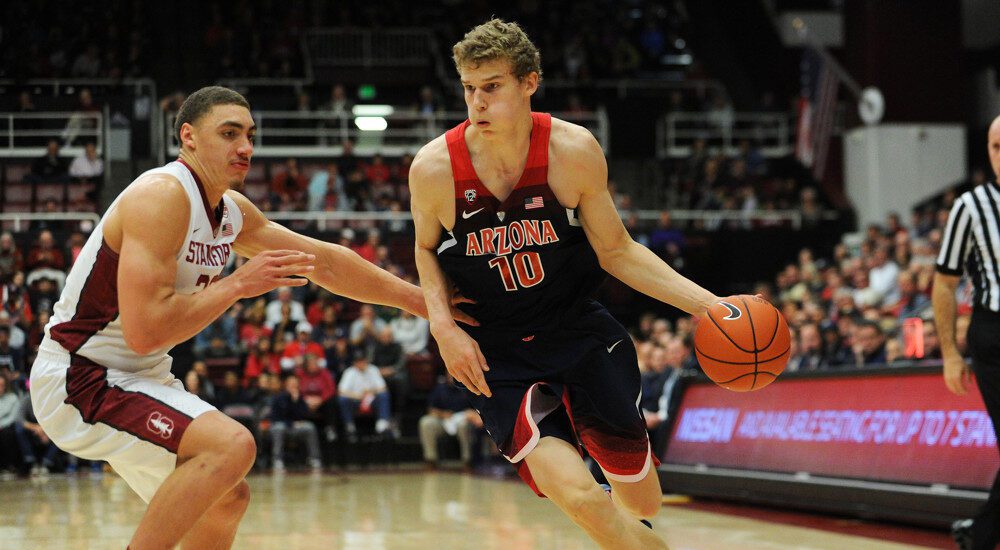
(527, 266)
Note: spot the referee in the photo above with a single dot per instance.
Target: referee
(971, 244)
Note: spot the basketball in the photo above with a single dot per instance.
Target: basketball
(742, 343)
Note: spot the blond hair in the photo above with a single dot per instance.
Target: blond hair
(498, 39)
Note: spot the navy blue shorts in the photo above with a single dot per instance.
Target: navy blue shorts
(580, 384)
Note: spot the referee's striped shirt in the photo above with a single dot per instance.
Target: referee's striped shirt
(971, 243)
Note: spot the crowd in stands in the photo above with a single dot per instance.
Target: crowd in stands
(304, 365)
(865, 306)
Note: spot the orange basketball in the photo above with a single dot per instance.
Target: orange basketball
(742, 344)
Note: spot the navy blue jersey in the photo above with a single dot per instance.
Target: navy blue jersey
(525, 260)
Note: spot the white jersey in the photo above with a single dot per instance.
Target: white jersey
(85, 321)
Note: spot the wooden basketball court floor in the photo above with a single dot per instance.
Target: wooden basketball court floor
(387, 510)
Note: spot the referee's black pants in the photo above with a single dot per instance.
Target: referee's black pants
(984, 345)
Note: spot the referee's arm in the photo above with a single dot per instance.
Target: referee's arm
(956, 372)
(954, 249)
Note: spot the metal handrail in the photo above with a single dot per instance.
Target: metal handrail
(19, 217)
(407, 131)
(773, 132)
(71, 129)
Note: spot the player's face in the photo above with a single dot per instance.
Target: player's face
(494, 97)
(223, 142)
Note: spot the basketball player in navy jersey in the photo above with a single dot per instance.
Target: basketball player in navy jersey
(512, 210)
(149, 278)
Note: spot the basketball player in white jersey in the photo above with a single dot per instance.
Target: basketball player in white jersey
(148, 279)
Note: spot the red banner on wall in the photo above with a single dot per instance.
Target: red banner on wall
(899, 428)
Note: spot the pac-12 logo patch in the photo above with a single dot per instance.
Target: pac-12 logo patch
(159, 424)
(470, 195)
(734, 312)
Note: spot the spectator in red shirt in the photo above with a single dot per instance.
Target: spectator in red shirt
(297, 349)
(367, 249)
(289, 185)
(253, 330)
(260, 360)
(318, 390)
(378, 171)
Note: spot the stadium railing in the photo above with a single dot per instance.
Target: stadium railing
(18, 221)
(320, 133)
(772, 133)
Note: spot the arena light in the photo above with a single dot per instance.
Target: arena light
(372, 110)
(371, 123)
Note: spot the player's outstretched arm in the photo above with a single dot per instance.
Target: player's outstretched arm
(152, 219)
(581, 160)
(430, 195)
(338, 269)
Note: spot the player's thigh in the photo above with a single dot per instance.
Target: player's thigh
(558, 469)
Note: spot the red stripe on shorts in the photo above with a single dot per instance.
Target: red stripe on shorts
(145, 417)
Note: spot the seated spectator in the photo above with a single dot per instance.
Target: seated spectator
(11, 260)
(31, 438)
(869, 344)
(12, 363)
(365, 329)
(319, 389)
(290, 419)
(368, 249)
(260, 360)
(388, 357)
(362, 390)
(289, 185)
(218, 339)
(43, 293)
(87, 167)
(327, 191)
(932, 345)
(273, 314)
(234, 401)
(196, 381)
(252, 328)
(10, 408)
(810, 350)
(448, 413)
(883, 275)
(677, 354)
(50, 167)
(296, 350)
(911, 303)
(411, 332)
(340, 357)
(45, 259)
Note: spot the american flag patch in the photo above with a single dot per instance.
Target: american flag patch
(533, 202)
(227, 230)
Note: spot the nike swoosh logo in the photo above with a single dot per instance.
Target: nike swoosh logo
(734, 312)
(467, 215)
(613, 346)
(195, 230)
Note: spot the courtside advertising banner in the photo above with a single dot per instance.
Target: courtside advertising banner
(905, 428)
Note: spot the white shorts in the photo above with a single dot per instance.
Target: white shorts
(132, 420)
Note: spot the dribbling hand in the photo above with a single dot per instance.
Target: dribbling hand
(272, 269)
(464, 360)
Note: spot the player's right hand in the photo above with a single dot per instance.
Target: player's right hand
(464, 360)
(957, 375)
(272, 269)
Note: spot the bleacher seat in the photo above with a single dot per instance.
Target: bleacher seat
(16, 172)
(50, 191)
(17, 195)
